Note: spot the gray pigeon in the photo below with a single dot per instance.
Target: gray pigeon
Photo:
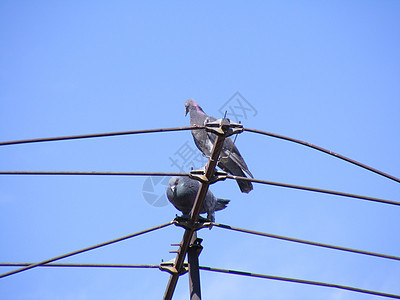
(182, 191)
(230, 159)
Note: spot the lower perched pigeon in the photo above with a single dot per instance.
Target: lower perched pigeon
(182, 191)
(230, 159)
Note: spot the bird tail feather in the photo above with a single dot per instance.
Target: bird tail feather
(245, 186)
(221, 204)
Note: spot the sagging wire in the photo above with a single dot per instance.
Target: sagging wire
(300, 241)
(96, 135)
(364, 166)
(311, 189)
(219, 270)
(302, 281)
(98, 173)
(229, 176)
(44, 262)
(299, 187)
(71, 265)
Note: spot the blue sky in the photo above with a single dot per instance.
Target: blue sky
(324, 72)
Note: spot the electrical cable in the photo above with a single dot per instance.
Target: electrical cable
(302, 281)
(285, 238)
(84, 136)
(84, 250)
(58, 265)
(47, 262)
(79, 173)
(96, 135)
(235, 272)
(323, 150)
(186, 174)
(299, 187)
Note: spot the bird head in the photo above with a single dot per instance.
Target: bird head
(189, 104)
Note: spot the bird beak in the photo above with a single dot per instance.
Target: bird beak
(187, 110)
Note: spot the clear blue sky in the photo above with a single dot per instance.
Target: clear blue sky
(324, 72)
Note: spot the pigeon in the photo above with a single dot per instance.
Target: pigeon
(182, 192)
(230, 159)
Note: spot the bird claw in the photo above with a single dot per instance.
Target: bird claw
(203, 220)
(182, 218)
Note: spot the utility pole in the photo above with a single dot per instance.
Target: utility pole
(193, 263)
(222, 128)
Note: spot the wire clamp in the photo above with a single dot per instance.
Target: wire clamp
(184, 222)
(223, 127)
(169, 267)
(200, 176)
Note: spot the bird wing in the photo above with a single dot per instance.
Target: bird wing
(228, 149)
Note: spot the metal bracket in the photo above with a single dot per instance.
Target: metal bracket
(224, 127)
(197, 245)
(200, 176)
(169, 267)
(185, 224)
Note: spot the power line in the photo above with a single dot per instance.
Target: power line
(83, 173)
(280, 237)
(226, 271)
(84, 136)
(58, 265)
(96, 135)
(302, 281)
(323, 150)
(299, 187)
(311, 189)
(176, 269)
(84, 250)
